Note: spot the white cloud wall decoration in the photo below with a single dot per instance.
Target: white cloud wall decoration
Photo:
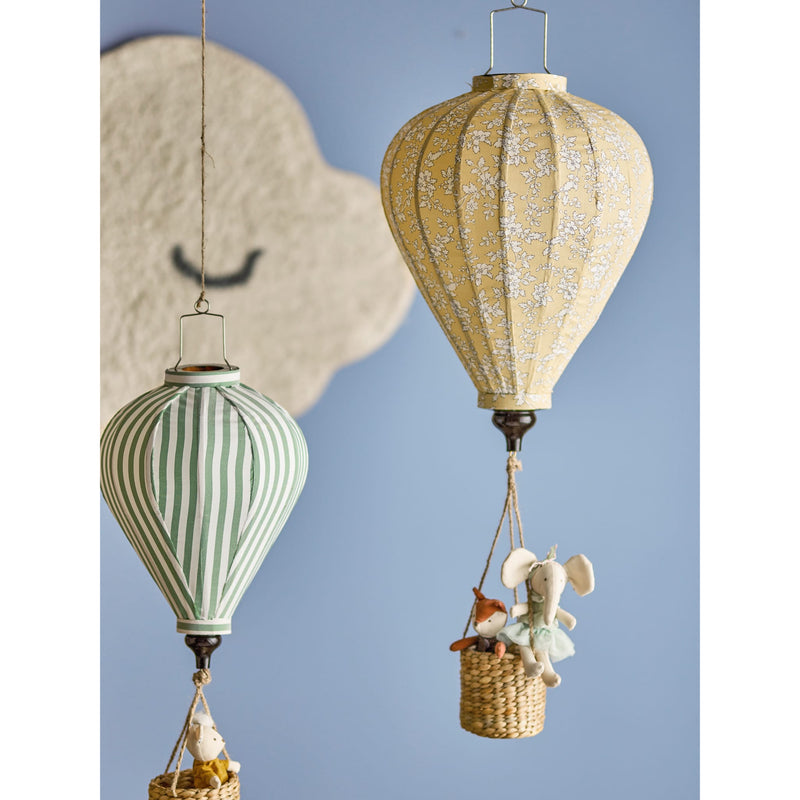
(299, 257)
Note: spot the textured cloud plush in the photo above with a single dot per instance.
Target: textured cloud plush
(299, 257)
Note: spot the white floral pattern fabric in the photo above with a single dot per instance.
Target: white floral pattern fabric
(516, 206)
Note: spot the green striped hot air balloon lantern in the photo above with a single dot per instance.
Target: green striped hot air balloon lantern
(201, 473)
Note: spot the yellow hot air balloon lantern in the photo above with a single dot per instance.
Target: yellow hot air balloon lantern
(516, 206)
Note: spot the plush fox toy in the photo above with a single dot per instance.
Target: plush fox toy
(488, 617)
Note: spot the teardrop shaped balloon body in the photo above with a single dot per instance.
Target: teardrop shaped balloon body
(516, 206)
(201, 474)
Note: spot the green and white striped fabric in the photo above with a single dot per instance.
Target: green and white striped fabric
(201, 474)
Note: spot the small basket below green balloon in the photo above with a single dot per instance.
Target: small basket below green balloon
(161, 788)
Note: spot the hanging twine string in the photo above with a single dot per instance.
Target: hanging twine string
(513, 465)
(511, 505)
(200, 679)
(201, 304)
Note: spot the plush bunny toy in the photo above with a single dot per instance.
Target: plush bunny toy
(488, 617)
(205, 743)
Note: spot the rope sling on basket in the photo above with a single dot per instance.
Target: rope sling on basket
(507, 668)
(210, 778)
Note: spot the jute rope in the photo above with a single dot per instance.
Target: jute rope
(202, 158)
(201, 304)
(512, 490)
(511, 504)
(200, 679)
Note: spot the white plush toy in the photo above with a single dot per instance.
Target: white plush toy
(547, 579)
(204, 742)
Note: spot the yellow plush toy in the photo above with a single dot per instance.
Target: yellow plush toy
(205, 743)
(210, 773)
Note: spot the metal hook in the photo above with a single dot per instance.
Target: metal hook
(205, 313)
(523, 6)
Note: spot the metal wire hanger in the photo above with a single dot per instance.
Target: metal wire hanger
(521, 6)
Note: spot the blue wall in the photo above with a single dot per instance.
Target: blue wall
(358, 696)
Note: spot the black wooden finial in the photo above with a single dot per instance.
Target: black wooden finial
(514, 425)
(202, 647)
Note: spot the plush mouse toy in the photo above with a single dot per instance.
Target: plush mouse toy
(488, 617)
(205, 743)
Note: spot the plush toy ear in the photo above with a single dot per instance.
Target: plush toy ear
(202, 719)
(516, 567)
(580, 574)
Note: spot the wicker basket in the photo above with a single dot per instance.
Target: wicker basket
(497, 699)
(161, 788)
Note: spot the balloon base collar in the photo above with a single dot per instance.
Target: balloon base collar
(202, 375)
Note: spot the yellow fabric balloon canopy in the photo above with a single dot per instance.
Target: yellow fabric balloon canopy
(517, 206)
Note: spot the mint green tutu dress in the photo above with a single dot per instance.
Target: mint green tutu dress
(549, 638)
